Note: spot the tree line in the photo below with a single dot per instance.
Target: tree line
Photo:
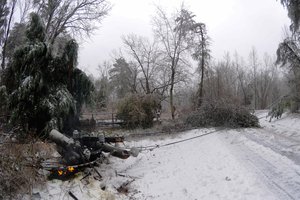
(174, 68)
(178, 68)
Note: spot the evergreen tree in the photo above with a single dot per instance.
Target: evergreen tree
(46, 91)
(288, 52)
(293, 7)
(101, 93)
(123, 77)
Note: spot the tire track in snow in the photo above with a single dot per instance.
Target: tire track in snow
(278, 172)
(281, 144)
(269, 175)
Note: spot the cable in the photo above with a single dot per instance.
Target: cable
(152, 147)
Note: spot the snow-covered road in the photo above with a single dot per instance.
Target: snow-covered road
(230, 164)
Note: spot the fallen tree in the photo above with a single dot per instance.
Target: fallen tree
(222, 113)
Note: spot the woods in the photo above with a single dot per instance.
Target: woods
(178, 68)
(179, 57)
(175, 66)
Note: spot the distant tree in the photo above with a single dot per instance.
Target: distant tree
(76, 18)
(103, 88)
(254, 64)
(244, 80)
(101, 93)
(222, 80)
(266, 82)
(149, 60)
(200, 53)
(171, 32)
(123, 77)
(46, 91)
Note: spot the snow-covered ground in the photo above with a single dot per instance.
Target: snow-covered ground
(261, 163)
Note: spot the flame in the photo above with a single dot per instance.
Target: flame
(71, 169)
(60, 172)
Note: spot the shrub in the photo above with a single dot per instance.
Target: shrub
(137, 110)
(222, 113)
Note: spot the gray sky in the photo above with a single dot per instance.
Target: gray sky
(233, 25)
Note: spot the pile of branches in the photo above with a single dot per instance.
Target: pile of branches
(19, 167)
(225, 113)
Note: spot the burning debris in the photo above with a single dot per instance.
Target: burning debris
(83, 150)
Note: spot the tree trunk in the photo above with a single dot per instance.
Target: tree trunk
(7, 34)
(147, 86)
(200, 97)
(172, 107)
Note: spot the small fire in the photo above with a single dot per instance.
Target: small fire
(71, 169)
(60, 172)
(65, 171)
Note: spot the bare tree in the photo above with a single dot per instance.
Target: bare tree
(171, 33)
(4, 12)
(76, 17)
(7, 31)
(265, 81)
(254, 63)
(244, 81)
(148, 58)
(24, 8)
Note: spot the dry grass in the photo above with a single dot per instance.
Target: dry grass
(19, 168)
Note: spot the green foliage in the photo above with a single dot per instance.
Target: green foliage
(35, 30)
(101, 93)
(3, 99)
(137, 111)
(80, 87)
(46, 90)
(123, 77)
(16, 39)
(280, 106)
(222, 113)
(288, 56)
(287, 53)
(293, 7)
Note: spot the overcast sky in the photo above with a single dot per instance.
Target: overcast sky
(233, 25)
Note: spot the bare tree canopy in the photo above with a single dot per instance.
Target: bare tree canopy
(171, 33)
(180, 35)
(148, 58)
(7, 26)
(4, 11)
(76, 17)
